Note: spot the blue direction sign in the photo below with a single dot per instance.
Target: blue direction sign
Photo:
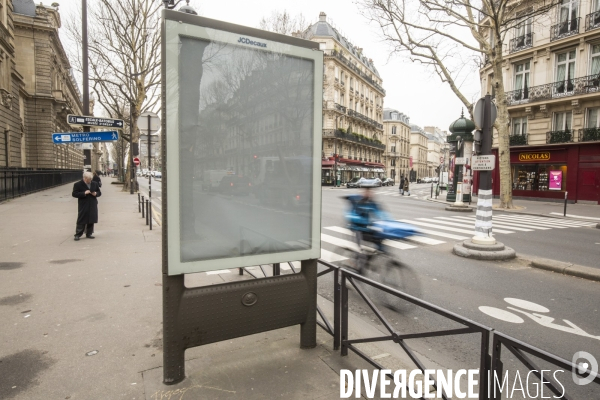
(85, 137)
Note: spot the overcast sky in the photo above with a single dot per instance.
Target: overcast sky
(410, 88)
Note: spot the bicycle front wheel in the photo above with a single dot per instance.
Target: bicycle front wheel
(404, 279)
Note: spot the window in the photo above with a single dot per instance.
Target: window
(519, 126)
(337, 72)
(395, 115)
(595, 59)
(393, 130)
(562, 121)
(393, 148)
(567, 16)
(591, 120)
(565, 72)
(335, 96)
(523, 28)
(321, 46)
(522, 80)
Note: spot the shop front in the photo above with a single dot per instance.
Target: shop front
(348, 169)
(548, 172)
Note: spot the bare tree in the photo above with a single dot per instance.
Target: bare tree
(455, 38)
(124, 57)
(282, 22)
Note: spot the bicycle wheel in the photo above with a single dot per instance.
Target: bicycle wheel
(403, 278)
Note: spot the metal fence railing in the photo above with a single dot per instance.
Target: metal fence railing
(15, 182)
(491, 342)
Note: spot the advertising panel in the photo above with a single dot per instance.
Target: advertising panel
(555, 180)
(243, 127)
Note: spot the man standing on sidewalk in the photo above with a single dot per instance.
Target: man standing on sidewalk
(86, 191)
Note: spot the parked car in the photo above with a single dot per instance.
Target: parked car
(158, 175)
(426, 180)
(353, 183)
(371, 182)
(388, 182)
(436, 179)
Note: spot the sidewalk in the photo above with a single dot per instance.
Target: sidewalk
(546, 208)
(82, 320)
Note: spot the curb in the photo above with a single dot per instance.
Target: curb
(565, 268)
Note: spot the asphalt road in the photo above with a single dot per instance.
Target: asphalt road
(463, 285)
(513, 294)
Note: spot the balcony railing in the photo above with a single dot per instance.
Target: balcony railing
(589, 134)
(564, 29)
(354, 68)
(592, 21)
(358, 139)
(517, 140)
(364, 118)
(554, 90)
(565, 136)
(340, 108)
(521, 43)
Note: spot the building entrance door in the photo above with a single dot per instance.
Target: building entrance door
(588, 185)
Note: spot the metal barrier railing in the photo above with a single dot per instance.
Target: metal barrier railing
(15, 182)
(491, 343)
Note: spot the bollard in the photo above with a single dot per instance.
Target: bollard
(150, 213)
(139, 204)
(565, 212)
(143, 208)
(431, 195)
(147, 212)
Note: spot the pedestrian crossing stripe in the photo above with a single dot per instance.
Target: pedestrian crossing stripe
(437, 226)
(438, 220)
(508, 224)
(353, 246)
(554, 221)
(472, 221)
(418, 239)
(541, 222)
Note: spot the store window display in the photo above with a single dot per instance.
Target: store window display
(537, 177)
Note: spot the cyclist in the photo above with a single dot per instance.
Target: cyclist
(364, 212)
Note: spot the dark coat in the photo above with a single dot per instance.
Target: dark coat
(88, 204)
(97, 179)
(406, 185)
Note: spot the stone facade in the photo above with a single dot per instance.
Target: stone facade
(352, 107)
(37, 88)
(396, 134)
(418, 153)
(436, 140)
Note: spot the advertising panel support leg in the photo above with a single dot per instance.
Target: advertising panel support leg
(308, 329)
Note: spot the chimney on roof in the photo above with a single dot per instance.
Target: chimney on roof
(359, 50)
(322, 17)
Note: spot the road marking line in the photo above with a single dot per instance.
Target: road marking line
(437, 221)
(499, 225)
(444, 228)
(496, 221)
(540, 222)
(554, 221)
(577, 216)
(442, 234)
(414, 238)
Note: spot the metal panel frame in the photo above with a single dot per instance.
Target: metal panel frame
(177, 24)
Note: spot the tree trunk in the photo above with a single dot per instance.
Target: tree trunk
(501, 126)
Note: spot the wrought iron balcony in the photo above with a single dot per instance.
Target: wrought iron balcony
(359, 139)
(354, 68)
(592, 21)
(565, 136)
(517, 140)
(340, 108)
(521, 43)
(589, 134)
(569, 87)
(564, 29)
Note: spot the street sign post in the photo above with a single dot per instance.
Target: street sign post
(483, 163)
(94, 121)
(148, 119)
(461, 161)
(85, 137)
(478, 113)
